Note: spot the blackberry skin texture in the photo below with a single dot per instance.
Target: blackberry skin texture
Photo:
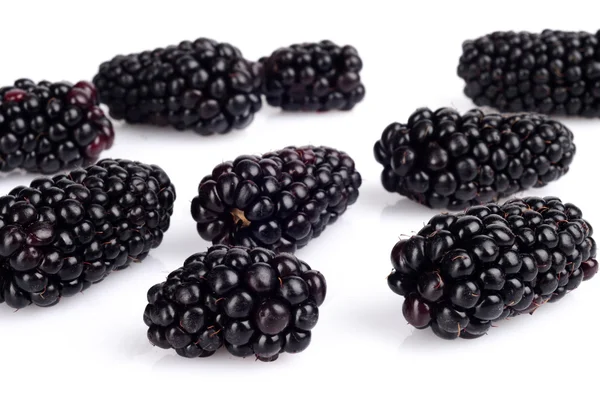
(554, 72)
(47, 127)
(279, 201)
(251, 300)
(442, 159)
(463, 272)
(62, 234)
(203, 85)
(313, 77)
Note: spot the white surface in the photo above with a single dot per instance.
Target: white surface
(96, 342)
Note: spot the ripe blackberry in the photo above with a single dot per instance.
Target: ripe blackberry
(554, 72)
(253, 301)
(202, 85)
(46, 127)
(313, 77)
(444, 160)
(462, 272)
(62, 234)
(279, 201)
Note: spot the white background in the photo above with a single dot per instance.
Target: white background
(96, 342)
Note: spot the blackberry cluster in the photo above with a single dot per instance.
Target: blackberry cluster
(253, 301)
(462, 272)
(62, 234)
(202, 85)
(554, 72)
(46, 127)
(313, 77)
(444, 160)
(279, 201)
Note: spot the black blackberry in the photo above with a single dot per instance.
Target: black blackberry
(46, 127)
(554, 72)
(202, 85)
(253, 301)
(62, 234)
(279, 201)
(444, 160)
(313, 77)
(462, 272)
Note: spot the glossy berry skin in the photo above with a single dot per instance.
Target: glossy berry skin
(553, 72)
(250, 300)
(313, 77)
(463, 272)
(62, 234)
(46, 127)
(204, 86)
(279, 201)
(446, 160)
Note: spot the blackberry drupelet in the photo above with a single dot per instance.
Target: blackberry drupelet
(46, 127)
(253, 301)
(442, 159)
(202, 85)
(313, 77)
(554, 72)
(462, 272)
(62, 234)
(279, 201)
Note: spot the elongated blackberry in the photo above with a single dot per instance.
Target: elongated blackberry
(462, 272)
(253, 301)
(202, 85)
(554, 72)
(62, 234)
(444, 160)
(279, 201)
(313, 77)
(46, 127)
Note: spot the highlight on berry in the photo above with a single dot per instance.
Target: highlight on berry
(204, 86)
(446, 160)
(313, 77)
(62, 234)
(462, 273)
(46, 127)
(252, 301)
(279, 201)
(553, 72)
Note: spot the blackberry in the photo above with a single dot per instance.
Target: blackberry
(554, 72)
(313, 77)
(442, 159)
(60, 235)
(46, 127)
(279, 201)
(462, 272)
(202, 85)
(253, 301)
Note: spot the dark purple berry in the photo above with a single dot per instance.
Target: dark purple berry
(443, 159)
(197, 85)
(251, 300)
(62, 234)
(313, 77)
(280, 201)
(465, 271)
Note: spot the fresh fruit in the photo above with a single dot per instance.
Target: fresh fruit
(279, 201)
(442, 159)
(62, 234)
(313, 77)
(253, 301)
(46, 127)
(463, 272)
(554, 72)
(202, 85)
